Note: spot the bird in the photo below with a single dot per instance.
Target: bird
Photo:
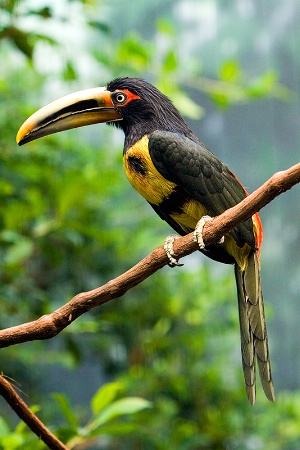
(185, 184)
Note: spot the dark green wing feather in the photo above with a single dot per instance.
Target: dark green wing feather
(201, 175)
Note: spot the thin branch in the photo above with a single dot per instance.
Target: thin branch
(31, 420)
(50, 325)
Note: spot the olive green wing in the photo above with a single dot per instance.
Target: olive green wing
(201, 175)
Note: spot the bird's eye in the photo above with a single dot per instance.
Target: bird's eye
(120, 98)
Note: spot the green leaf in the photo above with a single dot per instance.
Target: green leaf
(186, 106)
(45, 12)
(105, 395)
(165, 27)
(220, 99)
(170, 62)
(21, 39)
(100, 26)
(11, 442)
(66, 409)
(6, 188)
(135, 52)
(114, 429)
(19, 252)
(267, 85)
(230, 71)
(124, 406)
(70, 73)
(4, 428)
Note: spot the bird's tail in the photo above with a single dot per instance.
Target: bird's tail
(254, 339)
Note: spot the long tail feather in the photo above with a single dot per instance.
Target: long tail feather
(254, 339)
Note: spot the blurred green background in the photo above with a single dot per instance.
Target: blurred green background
(159, 368)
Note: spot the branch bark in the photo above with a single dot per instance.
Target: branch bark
(33, 422)
(50, 325)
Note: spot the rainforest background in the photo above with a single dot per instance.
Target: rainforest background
(159, 368)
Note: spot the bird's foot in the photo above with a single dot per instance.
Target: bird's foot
(198, 236)
(168, 246)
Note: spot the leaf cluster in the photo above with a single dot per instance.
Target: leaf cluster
(69, 222)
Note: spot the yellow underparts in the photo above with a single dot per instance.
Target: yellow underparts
(155, 189)
(151, 185)
(192, 212)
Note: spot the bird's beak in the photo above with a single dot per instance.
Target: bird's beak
(72, 111)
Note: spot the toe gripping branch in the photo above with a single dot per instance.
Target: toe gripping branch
(198, 233)
(168, 246)
(198, 237)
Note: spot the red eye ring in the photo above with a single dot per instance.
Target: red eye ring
(119, 97)
(123, 97)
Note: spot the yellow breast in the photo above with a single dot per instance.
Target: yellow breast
(142, 174)
(144, 177)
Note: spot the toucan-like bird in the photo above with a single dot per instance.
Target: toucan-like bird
(183, 182)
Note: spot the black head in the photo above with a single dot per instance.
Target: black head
(144, 109)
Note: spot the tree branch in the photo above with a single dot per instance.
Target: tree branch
(50, 325)
(33, 422)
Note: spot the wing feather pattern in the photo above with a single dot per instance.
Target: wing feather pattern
(201, 174)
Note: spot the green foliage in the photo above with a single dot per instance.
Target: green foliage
(107, 412)
(106, 419)
(70, 221)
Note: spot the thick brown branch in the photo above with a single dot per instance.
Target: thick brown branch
(22, 410)
(52, 324)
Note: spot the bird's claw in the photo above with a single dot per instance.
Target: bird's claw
(198, 233)
(168, 247)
